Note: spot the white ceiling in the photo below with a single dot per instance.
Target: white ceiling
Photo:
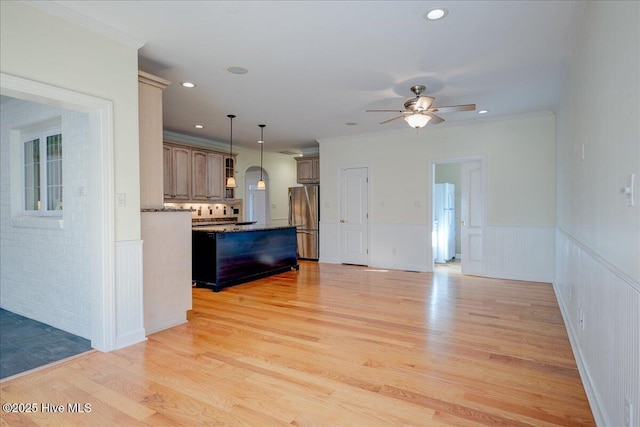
(316, 65)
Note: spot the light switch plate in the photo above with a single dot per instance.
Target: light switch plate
(121, 200)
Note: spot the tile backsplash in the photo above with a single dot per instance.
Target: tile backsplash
(210, 210)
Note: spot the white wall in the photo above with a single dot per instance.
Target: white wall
(520, 169)
(38, 46)
(45, 266)
(598, 241)
(58, 61)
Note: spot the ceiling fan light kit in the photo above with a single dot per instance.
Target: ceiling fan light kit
(418, 111)
(417, 120)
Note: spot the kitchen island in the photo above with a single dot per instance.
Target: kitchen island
(227, 255)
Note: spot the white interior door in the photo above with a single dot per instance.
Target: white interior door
(471, 217)
(354, 216)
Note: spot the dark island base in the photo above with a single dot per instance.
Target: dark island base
(223, 258)
(215, 287)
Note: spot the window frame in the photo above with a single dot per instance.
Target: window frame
(41, 135)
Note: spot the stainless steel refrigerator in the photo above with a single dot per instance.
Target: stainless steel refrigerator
(304, 213)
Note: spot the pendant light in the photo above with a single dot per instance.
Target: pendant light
(231, 180)
(261, 184)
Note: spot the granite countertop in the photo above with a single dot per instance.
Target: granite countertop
(235, 228)
(166, 210)
(204, 222)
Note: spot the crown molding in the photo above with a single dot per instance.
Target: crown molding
(470, 122)
(91, 24)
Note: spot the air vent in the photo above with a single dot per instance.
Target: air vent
(289, 153)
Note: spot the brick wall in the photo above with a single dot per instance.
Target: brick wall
(44, 263)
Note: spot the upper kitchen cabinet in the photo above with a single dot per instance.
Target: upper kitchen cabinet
(229, 171)
(150, 89)
(194, 173)
(177, 171)
(206, 175)
(308, 170)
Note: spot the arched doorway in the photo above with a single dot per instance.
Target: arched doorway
(257, 202)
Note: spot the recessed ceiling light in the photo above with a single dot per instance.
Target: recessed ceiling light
(198, 126)
(237, 70)
(483, 111)
(435, 14)
(188, 84)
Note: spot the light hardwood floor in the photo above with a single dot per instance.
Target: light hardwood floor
(332, 345)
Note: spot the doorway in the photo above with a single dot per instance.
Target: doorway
(100, 283)
(257, 200)
(458, 206)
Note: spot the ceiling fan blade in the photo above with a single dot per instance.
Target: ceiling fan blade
(423, 103)
(452, 108)
(435, 119)
(386, 111)
(390, 120)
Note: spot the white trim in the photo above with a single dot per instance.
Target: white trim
(430, 183)
(102, 282)
(585, 376)
(340, 171)
(86, 22)
(634, 283)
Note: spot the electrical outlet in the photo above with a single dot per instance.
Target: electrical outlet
(628, 413)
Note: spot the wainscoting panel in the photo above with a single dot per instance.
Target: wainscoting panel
(129, 304)
(330, 242)
(393, 246)
(400, 246)
(519, 253)
(601, 310)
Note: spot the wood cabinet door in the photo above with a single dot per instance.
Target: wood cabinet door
(316, 169)
(215, 174)
(304, 171)
(198, 175)
(229, 170)
(181, 172)
(167, 172)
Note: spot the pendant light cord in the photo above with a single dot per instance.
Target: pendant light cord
(231, 116)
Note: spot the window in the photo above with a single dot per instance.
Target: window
(43, 173)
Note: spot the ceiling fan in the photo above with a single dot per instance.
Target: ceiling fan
(418, 111)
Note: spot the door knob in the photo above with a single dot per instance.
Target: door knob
(343, 221)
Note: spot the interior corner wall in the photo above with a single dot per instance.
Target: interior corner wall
(519, 158)
(597, 278)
